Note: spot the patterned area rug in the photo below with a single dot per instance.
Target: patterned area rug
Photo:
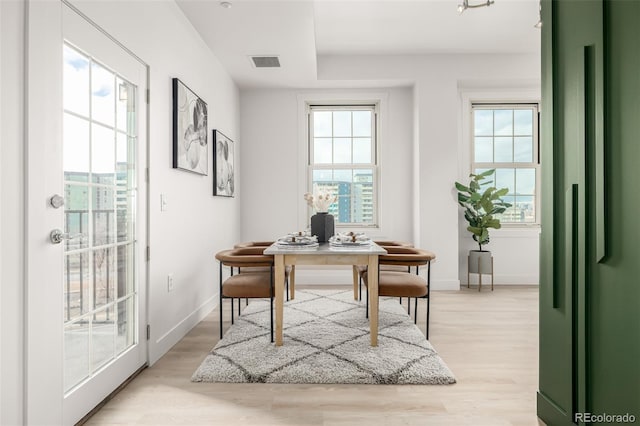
(326, 340)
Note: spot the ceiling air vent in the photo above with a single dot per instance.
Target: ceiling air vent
(265, 61)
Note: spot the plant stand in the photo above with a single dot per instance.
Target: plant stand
(478, 267)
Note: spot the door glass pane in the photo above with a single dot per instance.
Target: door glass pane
(76, 215)
(126, 324)
(103, 337)
(76, 353)
(103, 152)
(125, 270)
(76, 148)
(103, 215)
(77, 285)
(103, 108)
(76, 81)
(103, 276)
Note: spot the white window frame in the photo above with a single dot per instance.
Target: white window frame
(534, 164)
(374, 165)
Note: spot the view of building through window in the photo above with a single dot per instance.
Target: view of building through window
(343, 160)
(505, 138)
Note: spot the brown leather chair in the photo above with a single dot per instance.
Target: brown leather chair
(247, 283)
(290, 271)
(403, 284)
(359, 270)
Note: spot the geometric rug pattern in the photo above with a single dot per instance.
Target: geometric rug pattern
(326, 340)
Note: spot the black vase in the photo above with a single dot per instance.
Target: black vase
(322, 225)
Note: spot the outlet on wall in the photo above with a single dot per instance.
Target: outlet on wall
(170, 282)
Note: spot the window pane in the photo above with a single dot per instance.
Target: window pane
(525, 181)
(126, 324)
(504, 150)
(505, 179)
(322, 123)
(483, 122)
(322, 175)
(76, 81)
(103, 107)
(362, 123)
(523, 149)
(523, 122)
(362, 151)
(342, 123)
(322, 152)
(503, 122)
(363, 196)
(524, 209)
(125, 270)
(483, 150)
(342, 150)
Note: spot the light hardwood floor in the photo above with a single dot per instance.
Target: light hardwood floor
(489, 340)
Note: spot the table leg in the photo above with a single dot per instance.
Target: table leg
(279, 263)
(372, 276)
(355, 282)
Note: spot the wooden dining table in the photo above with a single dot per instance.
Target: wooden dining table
(325, 254)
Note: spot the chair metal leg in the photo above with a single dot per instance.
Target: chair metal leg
(232, 314)
(409, 306)
(239, 309)
(415, 311)
(367, 301)
(246, 301)
(360, 288)
(220, 305)
(286, 287)
(428, 297)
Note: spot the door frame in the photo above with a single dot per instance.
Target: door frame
(44, 389)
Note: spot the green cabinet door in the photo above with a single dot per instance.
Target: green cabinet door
(590, 146)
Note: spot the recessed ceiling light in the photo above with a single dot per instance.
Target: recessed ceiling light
(226, 4)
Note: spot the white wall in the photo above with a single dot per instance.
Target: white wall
(274, 148)
(184, 238)
(438, 148)
(11, 211)
(196, 224)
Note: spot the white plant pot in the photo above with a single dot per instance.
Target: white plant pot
(480, 262)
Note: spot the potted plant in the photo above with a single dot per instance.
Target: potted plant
(481, 203)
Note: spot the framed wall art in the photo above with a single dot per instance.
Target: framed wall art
(223, 177)
(190, 149)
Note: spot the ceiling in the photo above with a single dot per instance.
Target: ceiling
(300, 32)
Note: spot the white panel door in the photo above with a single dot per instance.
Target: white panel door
(89, 304)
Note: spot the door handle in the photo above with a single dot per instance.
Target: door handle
(57, 236)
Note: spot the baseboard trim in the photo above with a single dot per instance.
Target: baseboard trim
(162, 344)
(550, 413)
